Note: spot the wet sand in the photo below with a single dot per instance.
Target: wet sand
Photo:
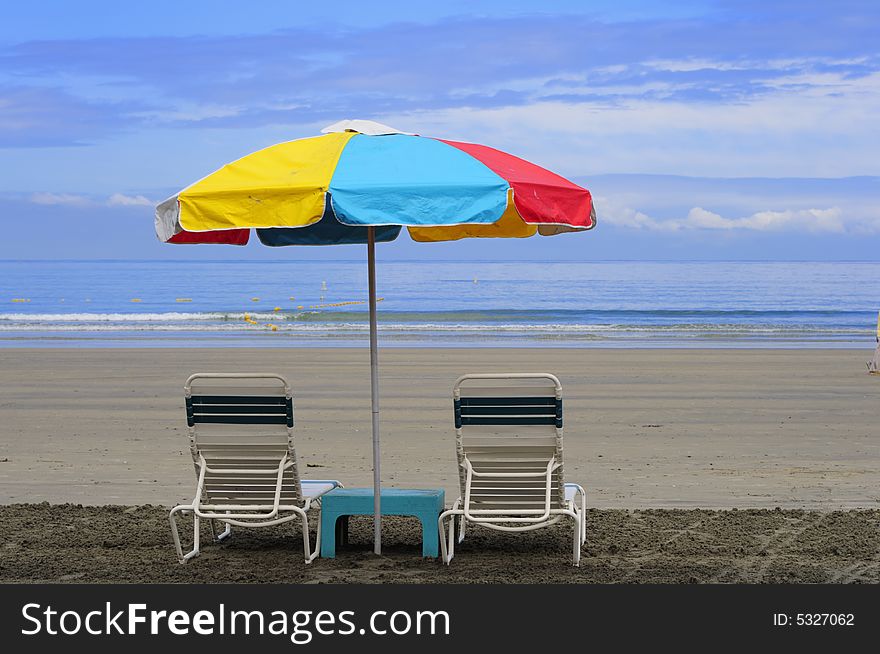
(65, 543)
(644, 428)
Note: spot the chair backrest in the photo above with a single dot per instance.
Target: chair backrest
(242, 421)
(509, 423)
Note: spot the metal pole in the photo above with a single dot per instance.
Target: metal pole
(374, 392)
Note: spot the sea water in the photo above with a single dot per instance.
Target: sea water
(443, 303)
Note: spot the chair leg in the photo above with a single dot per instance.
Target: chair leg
(582, 509)
(317, 551)
(310, 555)
(583, 519)
(226, 533)
(447, 542)
(223, 535)
(181, 557)
(577, 540)
(460, 519)
(583, 516)
(444, 547)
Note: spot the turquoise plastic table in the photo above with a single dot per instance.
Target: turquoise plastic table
(426, 505)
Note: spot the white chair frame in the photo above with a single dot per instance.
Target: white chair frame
(242, 514)
(513, 519)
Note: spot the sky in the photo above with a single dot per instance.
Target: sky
(705, 130)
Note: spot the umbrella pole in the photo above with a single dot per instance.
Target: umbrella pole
(374, 391)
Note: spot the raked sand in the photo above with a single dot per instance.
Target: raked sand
(644, 428)
(63, 543)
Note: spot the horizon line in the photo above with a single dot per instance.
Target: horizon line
(422, 260)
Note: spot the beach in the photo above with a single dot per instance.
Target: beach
(643, 428)
(700, 465)
(63, 543)
(632, 250)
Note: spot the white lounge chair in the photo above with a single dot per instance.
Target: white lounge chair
(241, 438)
(508, 436)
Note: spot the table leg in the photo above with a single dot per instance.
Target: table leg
(430, 535)
(329, 522)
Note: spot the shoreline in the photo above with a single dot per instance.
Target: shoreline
(652, 428)
(187, 341)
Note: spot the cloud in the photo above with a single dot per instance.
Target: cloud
(40, 116)
(121, 200)
(62, 199)
(830, 220)
(81, 200)
(302, 76)
(741, 89)
(817, 129)
(809, 220)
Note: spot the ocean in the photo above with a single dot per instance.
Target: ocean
(445, 303)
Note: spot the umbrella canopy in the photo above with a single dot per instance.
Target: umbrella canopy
(325, 189)
(362, 182)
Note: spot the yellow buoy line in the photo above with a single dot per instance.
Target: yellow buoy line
(249, 320)
(247, 317)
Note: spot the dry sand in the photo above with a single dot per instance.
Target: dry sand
(644, 428)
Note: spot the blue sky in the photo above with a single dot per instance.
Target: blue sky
(706, 130)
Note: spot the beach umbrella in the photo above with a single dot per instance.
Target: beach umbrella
(362, 182)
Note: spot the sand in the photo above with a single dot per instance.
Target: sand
(644, 428)
(75, 544)
(661, 439)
